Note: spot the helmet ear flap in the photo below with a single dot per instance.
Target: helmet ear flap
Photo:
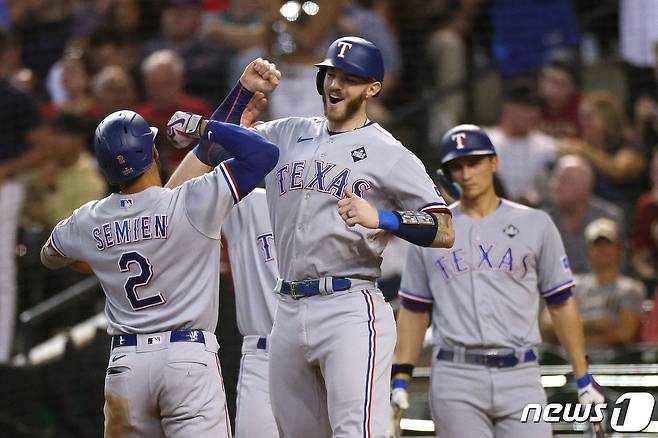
(319, 80)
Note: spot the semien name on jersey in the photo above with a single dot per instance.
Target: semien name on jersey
(130, 230)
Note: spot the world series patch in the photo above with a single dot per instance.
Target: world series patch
(359, 154)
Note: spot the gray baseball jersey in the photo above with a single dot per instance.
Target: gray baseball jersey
(251, 250)
(487, 286)
(135, 243)
(156, 254)
(331, 355)
(313, 170)
(485, 291)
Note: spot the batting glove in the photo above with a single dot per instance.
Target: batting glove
(589, 392)
(184, 129)
(399, 395)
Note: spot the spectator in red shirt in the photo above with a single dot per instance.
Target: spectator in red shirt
(163, 75)
(644, 238)
(559, 88)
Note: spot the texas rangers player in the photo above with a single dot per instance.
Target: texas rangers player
(331, 345)
(250, 244)
(487, 289)
(163, 376)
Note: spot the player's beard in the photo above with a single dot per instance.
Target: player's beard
(351, 108)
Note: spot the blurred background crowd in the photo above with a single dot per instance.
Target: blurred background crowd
(567, 90)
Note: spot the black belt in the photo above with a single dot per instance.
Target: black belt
(488, 359)
(308, 288)
(174, 336)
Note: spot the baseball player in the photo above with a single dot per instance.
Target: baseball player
(250, 244)
(156, 253)
(332, 341)
(483, 297)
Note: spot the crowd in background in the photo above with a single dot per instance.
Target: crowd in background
(568, 92)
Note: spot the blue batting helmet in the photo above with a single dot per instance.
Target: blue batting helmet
(463, 140)
(354, 55)
(124, 146)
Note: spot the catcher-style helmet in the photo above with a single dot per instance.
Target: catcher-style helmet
(124, 146)
(463, 140)
(354, 55)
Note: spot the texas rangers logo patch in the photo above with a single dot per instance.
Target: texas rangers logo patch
(511, 230)
(359, 154)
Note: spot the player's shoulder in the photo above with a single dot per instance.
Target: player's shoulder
(630, 285)
(523, 210)
(385, 137)
(292, 123)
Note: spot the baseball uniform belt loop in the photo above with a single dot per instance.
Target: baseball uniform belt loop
(254, 344)
(308, 288)
(489, 359)
(174, 336)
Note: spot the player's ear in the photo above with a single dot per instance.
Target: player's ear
(373, 89)
(156, 154)
(494, 162)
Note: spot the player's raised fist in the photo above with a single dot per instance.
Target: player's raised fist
(260, 75)
(184, 129)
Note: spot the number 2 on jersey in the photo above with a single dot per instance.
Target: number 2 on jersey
(141, 279)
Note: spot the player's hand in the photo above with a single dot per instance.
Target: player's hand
(184, 129)
(256, 105)
(260, 75)
(399, 404)
(589, 392)
(355, 210)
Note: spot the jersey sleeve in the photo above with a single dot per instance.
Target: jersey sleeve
(208, 199)
(554, 273)
(415, 293)
(65, 238)
(412, 188)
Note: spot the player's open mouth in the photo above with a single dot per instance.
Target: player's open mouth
(334, 100)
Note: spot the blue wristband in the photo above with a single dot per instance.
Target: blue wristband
(399, 383)
(584, 381)
(388, 220)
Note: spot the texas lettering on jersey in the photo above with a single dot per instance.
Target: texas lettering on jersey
(323, 177)
(487, 257)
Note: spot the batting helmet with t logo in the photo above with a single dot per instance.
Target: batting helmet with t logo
(354, 55)
(463, 140)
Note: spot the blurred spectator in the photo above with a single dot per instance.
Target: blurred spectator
(113, 90)
(559, 87)
(107, 46)
(525, 32)
(605, 141)
(162, 73)
(644, 237)
(241, 29)
(42, 28)
(646, 110)
(22, 147)
(638, 35)
(68, 179)
(525, 155)
(299, 39)
(572, 207)
(447, 53)
(72, 92)
(206, 64)
(610, 304)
